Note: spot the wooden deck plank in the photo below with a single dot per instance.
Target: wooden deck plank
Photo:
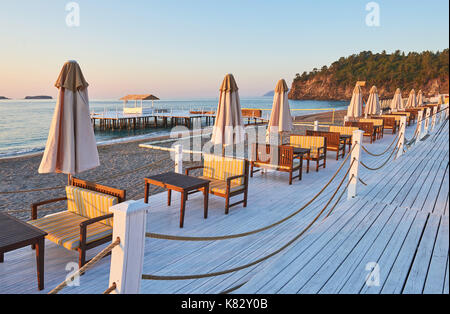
(341, 261)
(383, 255)
(367, 251)
(436, 274)
(417, 275)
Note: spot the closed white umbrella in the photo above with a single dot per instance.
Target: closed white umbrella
(397, 101)
(280, 117)
(420, 98)
(373, 106)
(228, 127)
(71, 147)
(355, 108)
(412, 100)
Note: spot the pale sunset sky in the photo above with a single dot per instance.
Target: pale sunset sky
(183, 48)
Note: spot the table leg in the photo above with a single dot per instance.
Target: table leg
(205, 200)
(183, 207)
(301, 168)
(169, 197)
(40, 245)
(307, 162)
(146, 193)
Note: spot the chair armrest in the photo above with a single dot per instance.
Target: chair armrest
(193, 168)
(229, 179)
(84, 224)
(34, 206)
(88, 222)
(321, 149)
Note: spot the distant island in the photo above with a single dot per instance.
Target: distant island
(268, 94)
(426, 71)
(39, 97)
(3, 98)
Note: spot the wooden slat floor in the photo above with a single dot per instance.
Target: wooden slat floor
(385, 224)
(399, 221)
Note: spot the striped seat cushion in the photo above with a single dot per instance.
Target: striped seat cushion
(376, 122)
(310, 142)
(64, 229)
(89, 204)
(295, 164)
(220, 168)
(343, 130)
(220, 186)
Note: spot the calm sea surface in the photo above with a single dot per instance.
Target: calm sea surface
(24, 124)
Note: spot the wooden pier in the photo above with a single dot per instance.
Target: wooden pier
(120, 121)
(399, 221)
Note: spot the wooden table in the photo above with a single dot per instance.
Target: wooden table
(180, 183)
(347, 139)
(15, 234)
(299, 153)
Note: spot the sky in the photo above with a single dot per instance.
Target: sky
(183, 48)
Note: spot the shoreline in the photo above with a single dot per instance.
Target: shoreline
(143, 138)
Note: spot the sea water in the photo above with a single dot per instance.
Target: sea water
(24, 124)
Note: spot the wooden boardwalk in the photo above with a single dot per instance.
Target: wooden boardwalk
(400, 221)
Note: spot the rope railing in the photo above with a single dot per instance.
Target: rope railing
(381, 154)
(385, 162)
(262, 259)
(240, 235)
(87, 266)
(110, 289)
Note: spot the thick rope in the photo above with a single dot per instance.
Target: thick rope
(87, 266)
(110, 289)
(378, 155)
(240, 235)
(340, 196)
(384, 163)
(262, 259)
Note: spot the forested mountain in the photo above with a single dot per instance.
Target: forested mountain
(428, 71)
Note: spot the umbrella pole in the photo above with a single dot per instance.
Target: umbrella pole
(69, 179)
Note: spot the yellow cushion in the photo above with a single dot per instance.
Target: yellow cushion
(310, 142)
(295, 163)
(220, 168)
(89, 204)
(220, 186)
(343, 130)
(376, 122)
(64, 229)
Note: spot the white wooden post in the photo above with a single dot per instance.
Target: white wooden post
(433, 120)
(427, 122)
(316, 125)
(419, 126)
(356, 155)
(345, 119)
(401, 142)
(446, 111)
(178, 159)
(127, 258)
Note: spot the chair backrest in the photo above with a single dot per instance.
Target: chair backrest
(310, 142)
(367, 127)
(396, 117)
(282, 155)
(401, 113)
(377, 122)
(120, 194)
(220, 168)
(332, 137)
(250, 113)
(89, 204)
(387, 121)
(344, 130)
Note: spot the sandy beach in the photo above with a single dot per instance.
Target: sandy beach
(122, 165)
